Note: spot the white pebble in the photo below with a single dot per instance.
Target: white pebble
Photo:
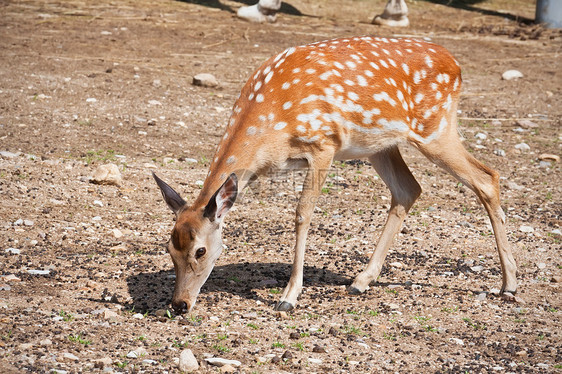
(512, 74)
(526, 229)
(523, 147)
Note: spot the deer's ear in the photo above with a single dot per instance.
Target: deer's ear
(171, 197)
(222, 200)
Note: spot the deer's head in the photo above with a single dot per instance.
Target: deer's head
(196, 241)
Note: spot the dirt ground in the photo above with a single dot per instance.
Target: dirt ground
(86, 83)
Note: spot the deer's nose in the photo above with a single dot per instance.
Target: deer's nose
(180, 306)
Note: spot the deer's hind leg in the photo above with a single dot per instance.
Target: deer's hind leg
(448, 152)
(405, 190)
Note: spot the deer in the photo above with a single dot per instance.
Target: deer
(340, 99)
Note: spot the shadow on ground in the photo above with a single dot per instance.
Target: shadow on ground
(151, 291)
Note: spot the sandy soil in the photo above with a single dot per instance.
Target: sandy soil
(83, 84)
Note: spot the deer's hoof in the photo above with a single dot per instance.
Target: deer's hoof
(354, 291)
(284, 306)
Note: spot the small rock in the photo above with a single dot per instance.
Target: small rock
(393, 306)
(66, 356)
(150, 362)
(188, 362)
(287, 355)
(25, 346)
(154, 102)
(333, 331)
(456, 341)
(13, 251)
(228, 369)
(481, 136)
(117, 233)
(28, 222)
(481, 296)
(514, 186)
(511, 74)
(45, 342)
(217, 361)
(107, 174)
(294, 335)
(523, 147)
(138, 316)
(556, 279)
(477, 268)
(205, 80)
(496, 123)
(199, 183)
(39, 272)
(526, 124)
(109, 314)
(98, 203)
(556, 232)
(6, 154)
(549, 157)
(275, 359)
(541, 265)
(103, 362)
(5, 287)
(314, 360)
(10, 278)
(91, 100)
(544, 164)
(189, 160)
(398, 265)
(318, 349)
(526, 229)
(499, 152)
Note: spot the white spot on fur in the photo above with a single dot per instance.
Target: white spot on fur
(286, 85)
(230, 160)
(287, 105)
(406, 69)
(259, 98)
(280, 125)
(361, 81)
(268, 77)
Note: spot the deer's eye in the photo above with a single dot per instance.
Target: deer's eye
(200, 252)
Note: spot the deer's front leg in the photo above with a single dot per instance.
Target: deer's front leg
(316, 175)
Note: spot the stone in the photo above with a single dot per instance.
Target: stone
(217, 361)
(6, 154)
(13, 251)
(109, 314)
(556, 279)
(499, 152)
(526, 124)
(138, 316)
(287, 355)
(541, 265)
(189, 160)
(205, 80)
(66, 356)
(45, 342)
(549, 157)
(526, 229)
(103, 362)
(294, 335)
(514, 186)
(149, 362)
(477, 268)
(117, 233)
(456, 341)
(228, 369)
(318, 349)
(481, 136)
(523, 147)
(512, 74)
(316, 361)
(187, 362)
(39, 272)
(98, 203)
(10, 278)
(28, 222)
(481, 296)
(108, 174)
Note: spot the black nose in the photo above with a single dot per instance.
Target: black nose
(179, 307)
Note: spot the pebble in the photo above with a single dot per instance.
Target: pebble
(481, 136)
(396, 265)
(187, 362)
(13, 251)
(496, 123)
(544, 164)
(314, 360)
(456, 341)
(526, 229)
(108, 174)
(117, 233)
(294, 335)
(138, 316)
(481, 296)
(556, 279)
(199, 183)
(98, 203)
(6, 154)
(154, 102)
(514, 186)
(150, 362)
(287, 355)
(103, 362)
(45, 342)
(499, 152)
(511, 74)
(39, 272)
(523, 147)
(541, 265)
(205, 80)
(318, 349)
(109, 314)
(549, 157)
(91, 100)
(10, 278)
(189, 160)
(477, 268)
(556, 232)
(228, 369)
(217, 361)
(526, 124)
(28, 222)
(66, 356)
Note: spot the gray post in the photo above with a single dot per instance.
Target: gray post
(549, 12)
